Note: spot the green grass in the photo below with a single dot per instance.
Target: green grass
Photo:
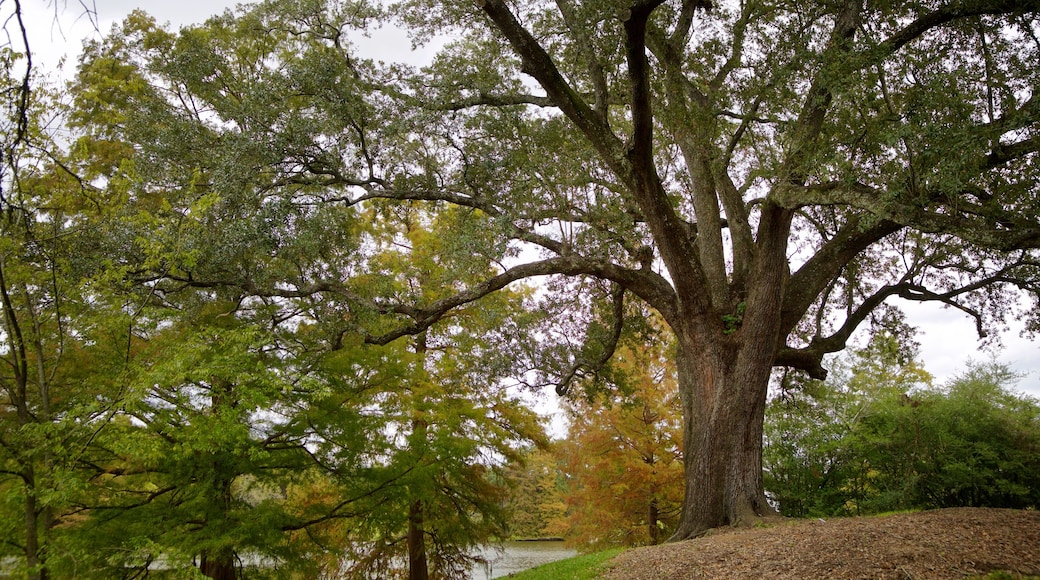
(584, 567)
(894, 513)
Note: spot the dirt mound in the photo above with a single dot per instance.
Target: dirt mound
(950, 543)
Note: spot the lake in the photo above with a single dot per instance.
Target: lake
(517, 556)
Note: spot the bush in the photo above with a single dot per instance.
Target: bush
(880, 438)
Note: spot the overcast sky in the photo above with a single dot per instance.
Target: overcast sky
(948, 338)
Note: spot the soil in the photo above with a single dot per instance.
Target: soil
(950, 543)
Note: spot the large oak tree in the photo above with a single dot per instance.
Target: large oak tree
(790, 167)
(766, 175)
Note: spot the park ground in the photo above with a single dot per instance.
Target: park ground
(951, 543)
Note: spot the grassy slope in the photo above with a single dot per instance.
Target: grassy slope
(583, 567)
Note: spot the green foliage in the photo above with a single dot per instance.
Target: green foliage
(439, 441)
(810, 469)
(269, 413)
(733, 321)
(64, 340)
(184, 477)
(881, 440)
(973, 443)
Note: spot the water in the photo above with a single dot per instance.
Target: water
(517, 556)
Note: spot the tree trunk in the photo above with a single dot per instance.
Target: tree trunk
(219, 566)
(723, 368)
(651, 522)
(417, 568)
(33, 556)
(724, 397)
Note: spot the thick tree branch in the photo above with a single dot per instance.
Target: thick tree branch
(537, 63)
(810, 358)
(488, 100)
(580, 30)
(692, 135)
(646, 284)
(1003, 154)
(988, 226)
(954, 10)
(669, 231)
(684, 24)
(818, 99)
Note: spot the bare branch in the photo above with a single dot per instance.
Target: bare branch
(810, 358)
(827, 264)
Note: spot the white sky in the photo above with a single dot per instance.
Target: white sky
(948, 339)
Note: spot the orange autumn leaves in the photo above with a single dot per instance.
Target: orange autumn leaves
(622, 457)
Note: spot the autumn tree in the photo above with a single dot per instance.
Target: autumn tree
(536, 500)
(764, 176)
(622, 455)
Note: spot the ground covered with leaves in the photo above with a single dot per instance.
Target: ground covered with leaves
(950, 543)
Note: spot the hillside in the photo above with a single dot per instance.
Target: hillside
(951, 543)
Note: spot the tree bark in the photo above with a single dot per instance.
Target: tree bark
(33, 559)
(417, 567)
(723, 401)
(652, 518)
(219, 566)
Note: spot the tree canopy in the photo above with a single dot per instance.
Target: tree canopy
(766, 176)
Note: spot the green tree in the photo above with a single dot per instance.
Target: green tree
(878, 437)
(765, 176)
(197, 472)
(812, 461)
(407, 430)
(972, 443)
(453, 424)
(63, 334)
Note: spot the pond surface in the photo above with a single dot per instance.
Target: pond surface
(516, 556)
